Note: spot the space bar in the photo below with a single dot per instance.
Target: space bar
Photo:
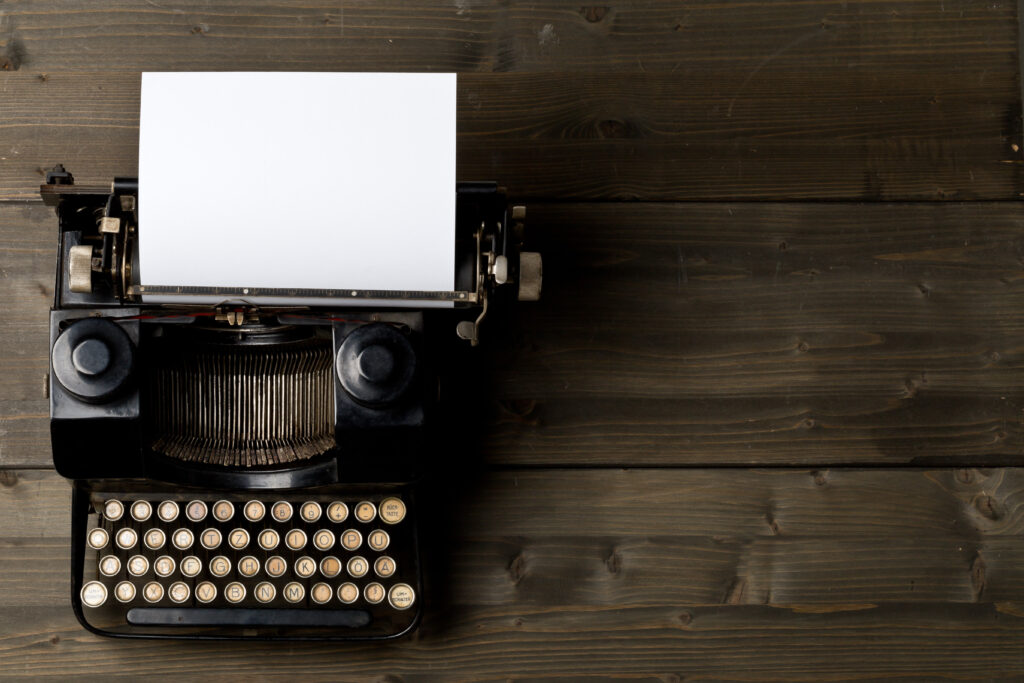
(208, 616)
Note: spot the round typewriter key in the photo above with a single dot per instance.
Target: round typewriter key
(384, 566)
(126, 539)
(392, 510)
(196, 511)
(294, 592)
(182, 539)
(321, 593)
(234, 592)
(210, 538)
(378, 539)
(276, 566)
(110, 565)
(124, 591)
(305, 566)
(178, 592)
(223, 510)
(310, 511)
(137, 565)
(205, 591)
(337, 511)
(351, 540)
(141, 510)
(155, 539)
(348, 593)
(238, 539)
(98, 539)
(365, 512)
(357, 567)
(295, 539)
(113, 510)
(153, 592)
(330, 566)
(282, 511)
(254, 511)
(401, 596)
(323, 539)
(374, 593)
(248, 566)
(163, 566)
(167, 511)
(220, 566)
(265, 592)
(269, 539)
(94, 594)
(191, 566)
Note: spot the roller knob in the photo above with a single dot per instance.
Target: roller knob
(93, 359)
(80, 269)
(531, 275)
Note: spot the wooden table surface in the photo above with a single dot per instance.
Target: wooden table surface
(767, 422)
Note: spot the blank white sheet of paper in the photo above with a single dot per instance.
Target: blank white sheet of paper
(297, 180)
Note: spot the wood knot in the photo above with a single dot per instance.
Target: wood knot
(924, 289)
(518, 622)
(964, 475)
(773, 524)
(803, 347)
(616, 128)
(8, 478)
(520, 411)
(734, 595)
(978, 576)
(988, 507)
(43, 78)
(613, 562)
(517, 568)
(685, 618)
(54, 640)
(593, 14)
(783, 245)
(809, 423)
(993, 356)
(200, 30)
(820, 478)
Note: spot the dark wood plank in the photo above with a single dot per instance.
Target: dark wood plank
(701, 573)
(701, 334)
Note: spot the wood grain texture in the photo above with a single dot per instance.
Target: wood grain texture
(698, 574)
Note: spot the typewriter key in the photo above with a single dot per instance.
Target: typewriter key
(210, 538)
(401, 596)
(276, 566)
(321, 593)
(113, 510)
(223, 510)
(124, 591)
(205, 592)
(137, 565)
(254, 511)
(153, 592)
(378, 539)
(282, 511)
(348, 593)
(265, 592)
(220, 566)
(234, 592)
(182, 539)
(98, 539)
(191, 566)
(167, 511)
(196, 511)
(155, 539)
(351, 540)
(178, 592)
(357, 567)
(110, 565)
(295, 539)
(305, 566)
(248, 566)
(269, 539)
(141, 510)
(310, 511)
(337, 511)
(163, 566)
(392, 510)
(94, 594)
(238, 539)
(384, 566)
(323, 539)
(294, 592)
(365, 512)
(330, 566)
(374, 593)
(126, 539)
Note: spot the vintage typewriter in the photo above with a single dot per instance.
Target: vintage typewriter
(242, 471)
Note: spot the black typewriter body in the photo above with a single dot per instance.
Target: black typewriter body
(247, 471)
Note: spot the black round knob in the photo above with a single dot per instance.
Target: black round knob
(93, 359)
(376, 364)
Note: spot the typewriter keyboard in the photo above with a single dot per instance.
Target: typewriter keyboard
(250, 562)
